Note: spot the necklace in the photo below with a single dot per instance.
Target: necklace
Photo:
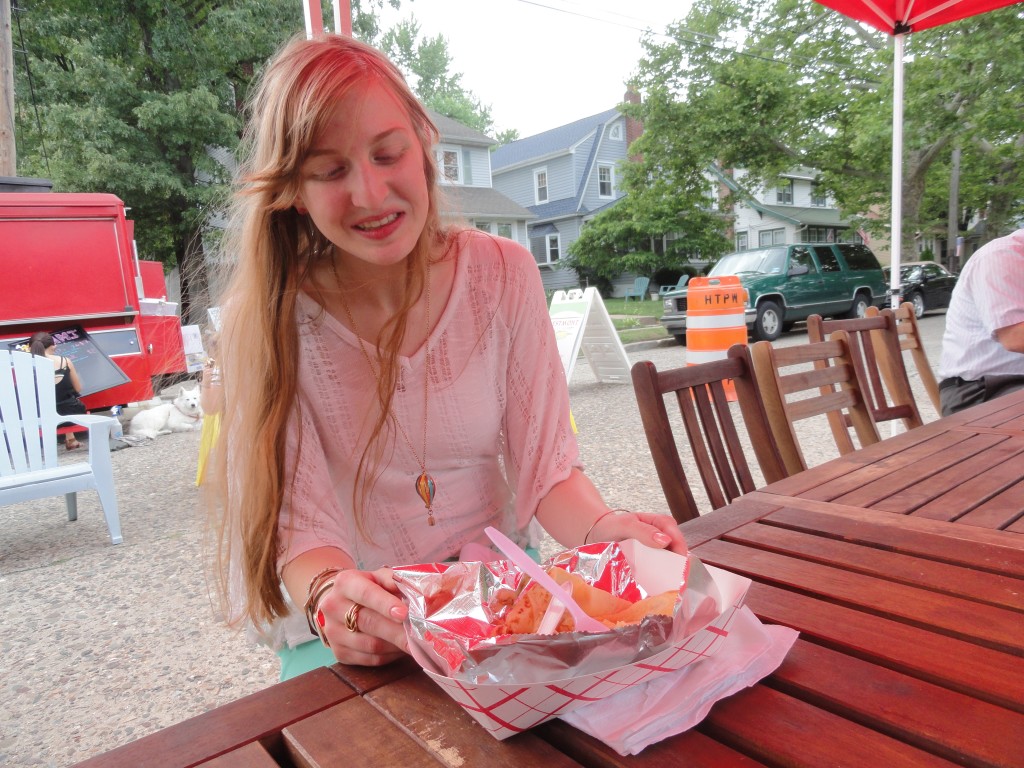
(425, 486)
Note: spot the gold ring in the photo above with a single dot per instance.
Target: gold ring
(352, 618)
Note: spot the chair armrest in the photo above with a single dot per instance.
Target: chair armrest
(95, 424)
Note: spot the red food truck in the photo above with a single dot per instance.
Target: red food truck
(68, 265)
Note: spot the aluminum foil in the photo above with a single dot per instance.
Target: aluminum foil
(453, 613)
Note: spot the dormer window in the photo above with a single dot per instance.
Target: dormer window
(784, 192)
(449, 162)
(540, 185)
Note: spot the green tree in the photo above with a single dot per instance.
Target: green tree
(668, 215)
(143, 99)
(770, 86)
(426, 64)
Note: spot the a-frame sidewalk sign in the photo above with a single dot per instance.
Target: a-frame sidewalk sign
(582, 322)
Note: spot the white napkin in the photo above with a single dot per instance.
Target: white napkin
(677, 701)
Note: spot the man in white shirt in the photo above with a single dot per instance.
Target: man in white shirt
(983, 346)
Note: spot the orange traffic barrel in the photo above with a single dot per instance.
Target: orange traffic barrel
(714, 320)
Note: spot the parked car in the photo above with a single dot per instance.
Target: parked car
(925, 284)
(787, 283)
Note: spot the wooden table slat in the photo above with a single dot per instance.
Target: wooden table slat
(940, 721)
(969, 546)
(231, 726)
(899, 466)
(444, 729)
(691, 749)
(946, 495)
(959, 665)
(969, 456)
(1002, 510)
(252, 755)
(782, 730)
(983, 587)
(355, 735)
(986, 625)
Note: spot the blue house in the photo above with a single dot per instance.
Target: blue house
(464, 159)
(564, 177)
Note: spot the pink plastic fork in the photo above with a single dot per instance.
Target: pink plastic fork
(512, 551)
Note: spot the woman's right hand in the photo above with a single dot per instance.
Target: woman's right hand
(378, 637)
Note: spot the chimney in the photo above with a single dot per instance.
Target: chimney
(633, 127)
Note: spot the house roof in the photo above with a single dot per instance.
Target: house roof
(813, 217)
(556, 141)
(482, 201)
(459, 133)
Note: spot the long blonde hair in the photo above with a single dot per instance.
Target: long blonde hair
(271, 249)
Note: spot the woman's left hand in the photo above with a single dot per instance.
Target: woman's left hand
(657, 531)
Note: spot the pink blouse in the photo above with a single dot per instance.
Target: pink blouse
(499, 433)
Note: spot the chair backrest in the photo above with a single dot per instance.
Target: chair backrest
(833, 378)
(699, 392)
(28, 413)
(640, 285)
(909, 333)
(875, 350)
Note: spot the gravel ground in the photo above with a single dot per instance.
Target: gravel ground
(104, 644)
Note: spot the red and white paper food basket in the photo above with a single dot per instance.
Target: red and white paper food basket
(506, 708)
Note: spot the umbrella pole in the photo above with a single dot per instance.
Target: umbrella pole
(896, 229)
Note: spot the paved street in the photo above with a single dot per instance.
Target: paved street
(104, 644)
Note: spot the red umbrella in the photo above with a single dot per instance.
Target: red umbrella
(898, 18)
(901, 16)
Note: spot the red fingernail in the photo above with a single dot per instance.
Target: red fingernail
(320, 619)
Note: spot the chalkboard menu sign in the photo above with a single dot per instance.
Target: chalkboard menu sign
(96, 371)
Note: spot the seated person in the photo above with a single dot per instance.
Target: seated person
(983, 346)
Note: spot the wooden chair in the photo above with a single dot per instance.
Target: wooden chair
(834, 382)
(639, 291)
(29, 468)
(710, 429)
(875, 350)
(909, 333)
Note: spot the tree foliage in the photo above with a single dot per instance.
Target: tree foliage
(144, 99)
(769, 86)
(427, 63)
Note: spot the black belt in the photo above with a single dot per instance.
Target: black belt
(953, 381)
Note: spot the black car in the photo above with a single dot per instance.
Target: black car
(925, 284)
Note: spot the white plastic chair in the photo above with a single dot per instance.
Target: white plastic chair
(29, 468)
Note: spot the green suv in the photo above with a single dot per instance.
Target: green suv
(787, 283)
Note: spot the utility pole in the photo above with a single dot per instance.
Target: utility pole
(8, 153)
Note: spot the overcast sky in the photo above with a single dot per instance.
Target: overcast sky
(542, 63)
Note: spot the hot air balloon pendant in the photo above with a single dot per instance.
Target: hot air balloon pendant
(425, 488)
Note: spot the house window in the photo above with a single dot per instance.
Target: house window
(553, 248)
(540, 185)
(615, 132)
(449, 161)
(818, 198)
(771, 237)
(741, 241)
(820, 235)
(605, 181)
(501, 229)
(784, 192)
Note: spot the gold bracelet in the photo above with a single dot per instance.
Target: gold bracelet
(312, 605)
(319, 586)
(594, 524)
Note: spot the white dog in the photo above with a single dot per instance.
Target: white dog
(184, 414)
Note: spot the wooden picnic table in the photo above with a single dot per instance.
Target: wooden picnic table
(910, 652)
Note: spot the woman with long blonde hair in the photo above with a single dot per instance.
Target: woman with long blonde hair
(391, 384)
